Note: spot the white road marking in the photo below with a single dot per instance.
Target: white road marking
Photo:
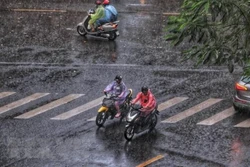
(218, 117)
(78, 110)
(20, 102)
(38, 10)
(191, 111)
(92, 119)
(170, 103)
(70, 29)
(161, 106)
(5, 94)
(49, 106)
(171, 14)
(243, 124)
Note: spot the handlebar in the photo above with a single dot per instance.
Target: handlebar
(111, 96)
(136, 106)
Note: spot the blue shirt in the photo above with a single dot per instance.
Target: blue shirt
(111, 9)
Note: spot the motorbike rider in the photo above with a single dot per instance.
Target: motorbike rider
(110, 14)
(118, 88)
(147, 101)
(99, 13)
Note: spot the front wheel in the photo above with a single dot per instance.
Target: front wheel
(81, 31)
(112, 36)
(100, 118)
(129, 132)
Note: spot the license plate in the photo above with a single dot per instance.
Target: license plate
(117, 33)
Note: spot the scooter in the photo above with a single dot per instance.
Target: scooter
(108, 30)
(108, 110)
(137, 124)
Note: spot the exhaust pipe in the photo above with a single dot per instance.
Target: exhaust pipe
(105, 35)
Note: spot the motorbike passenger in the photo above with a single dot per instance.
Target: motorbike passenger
(147, 101)
(99, 13)
(118, 88)
(110, 14)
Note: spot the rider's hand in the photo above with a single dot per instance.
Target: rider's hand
(105, 93)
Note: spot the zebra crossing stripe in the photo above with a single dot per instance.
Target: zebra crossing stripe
(21, 102)
(191, 111)
(92, 119)
(78, 110)
(244, 124)
(49, 106)
(161, 106)
(5, 94)
(218, 117)
(171, 103)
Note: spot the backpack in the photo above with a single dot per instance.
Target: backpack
(114, 13)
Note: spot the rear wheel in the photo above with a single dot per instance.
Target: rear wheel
(81, 31)
(100, 118)
(112, 36)
(153, 123)
(129, 132)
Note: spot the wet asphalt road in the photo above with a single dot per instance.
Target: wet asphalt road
(42, 52)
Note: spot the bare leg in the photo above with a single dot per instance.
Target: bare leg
(117, 109)
(92, 27)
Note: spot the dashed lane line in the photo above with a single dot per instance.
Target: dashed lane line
(21, 102)
(78, 110)
(191, 111)
(49, 106)
(218, 117)
(5, 94)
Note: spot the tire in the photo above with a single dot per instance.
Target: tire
(100, 119)
(129, 132)
(153, 123)
(81, 31)
(112, 36)
(237, 109)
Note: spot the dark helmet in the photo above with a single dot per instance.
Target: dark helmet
(144, 89)
(98, 2)
(118, 78)
(105, 2)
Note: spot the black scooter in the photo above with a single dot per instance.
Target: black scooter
(109, 30)
(137, 124)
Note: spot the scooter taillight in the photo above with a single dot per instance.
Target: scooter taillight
(115, 25)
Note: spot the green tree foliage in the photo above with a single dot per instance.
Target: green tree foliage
(219, 31)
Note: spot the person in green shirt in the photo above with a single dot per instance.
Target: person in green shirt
(99, 13)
